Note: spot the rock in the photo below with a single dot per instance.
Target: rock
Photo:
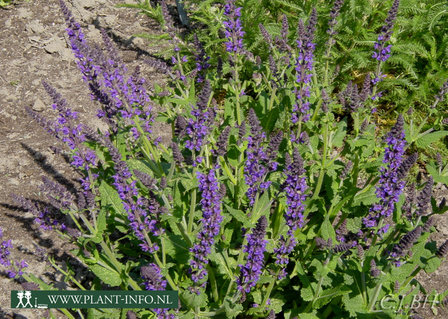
(38, 106)
(35, 26)
(56, 44)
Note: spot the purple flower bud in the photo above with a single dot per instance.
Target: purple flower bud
(424, 198)
(443, 250)
(267, 37)
(406, 242)
(342, 247)
(177, 155)
(374, 271)
(222, 142)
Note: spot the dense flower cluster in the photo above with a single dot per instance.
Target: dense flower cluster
(391, 183)
(304, 68)
(210, 222)
(256, 246)
(233, 28)
(295, 188)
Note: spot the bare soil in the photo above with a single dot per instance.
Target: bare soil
(33, 47)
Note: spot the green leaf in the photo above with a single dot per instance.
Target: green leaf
(430, 138)
(100, 226)
(232, 308)
(176, 247)
(338, 138)
(329, 294)
(262, 207)
(327, 230)
(435, 174)
(193, 300)
(277, 302)
(367, 198)
(108, 276)
(354, 304)
(139, 165)
(307, 292)
(239, 216)
(354, 224)
(109, 196)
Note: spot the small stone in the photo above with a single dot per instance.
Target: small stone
(38, 106)
(55, 45)
(35, 26)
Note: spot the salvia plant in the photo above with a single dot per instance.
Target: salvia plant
(276, 194)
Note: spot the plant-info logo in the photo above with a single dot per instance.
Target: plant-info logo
(42, 299)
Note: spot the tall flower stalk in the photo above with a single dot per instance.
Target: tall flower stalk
(234, 45)
(382, 49)
(255, 248)
(210, 223)
(295, 188)
(304, 68)
(391, 184)
(255, 168)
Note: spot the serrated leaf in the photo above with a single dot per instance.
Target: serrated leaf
(430, 138)
(354, 304)
(338, 138)
(307, 293)
(193, 300)
(100, 226)
(327, 230)
(176, 247)
(435, 174)
(238, 215)
(354, 224)
(367, 198)
(109, 196)
(139, 165)
(232, 308)
(108, 276)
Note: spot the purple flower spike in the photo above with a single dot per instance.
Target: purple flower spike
(255, 168)
(304, 67)
(211, 220)
(382, 51)
(153, 280)
(256, 246)
(14, 269)
(391, 184)
(199, 127)
(143, 213)
(233, 28)
(201, 59)
(295, 187)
